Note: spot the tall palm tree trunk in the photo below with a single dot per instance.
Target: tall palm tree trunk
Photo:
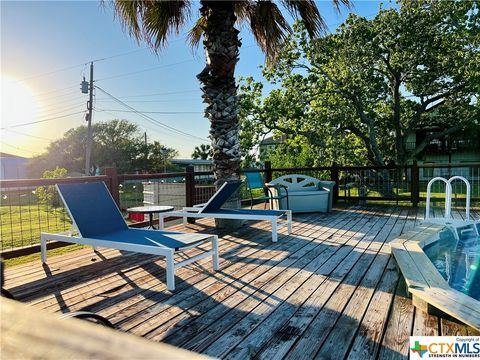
(221, 44)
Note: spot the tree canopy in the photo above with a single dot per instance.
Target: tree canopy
(360, 94)
(116, 143)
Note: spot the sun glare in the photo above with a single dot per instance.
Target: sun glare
(18, 103)
(19, 106)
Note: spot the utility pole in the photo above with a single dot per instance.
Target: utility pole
(145, 167)
(89, 127)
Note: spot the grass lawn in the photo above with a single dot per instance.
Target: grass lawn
(36, 257)
(20, 225)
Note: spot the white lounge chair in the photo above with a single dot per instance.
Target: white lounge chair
(100, 223)
(213, 209)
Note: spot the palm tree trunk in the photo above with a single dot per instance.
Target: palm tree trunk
(221, 44)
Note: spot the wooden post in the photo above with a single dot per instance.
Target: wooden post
(190, 189)
(335, 177)
(111, 172)
(268, 171)
(415, 185)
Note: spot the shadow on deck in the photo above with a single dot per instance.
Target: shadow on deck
(329, 290)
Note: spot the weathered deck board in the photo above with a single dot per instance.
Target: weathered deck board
(286, 332)
(331, 288)
(349, 316)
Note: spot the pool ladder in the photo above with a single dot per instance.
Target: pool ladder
(461, 228)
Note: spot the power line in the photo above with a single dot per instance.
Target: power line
(144, 101)
(49, 113)
(156, 122)
(32, 136)
(155, 131)
(158, 94)
(40, 121)
(43, 98)
(77, 65)
(117, 55)
(144, 70)
(48, 73)
(148, 101)
(154, 112)
(15, 147)
(53, 91)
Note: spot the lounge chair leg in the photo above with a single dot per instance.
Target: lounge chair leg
(289, 221)
(43, 247)
(170, 272)
(184, 220)
(161, 224)
(215, 252)
(274, 230)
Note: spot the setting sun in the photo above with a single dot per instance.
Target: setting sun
(18, 103)
(19, 106)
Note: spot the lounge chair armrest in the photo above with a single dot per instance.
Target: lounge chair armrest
(191, 209)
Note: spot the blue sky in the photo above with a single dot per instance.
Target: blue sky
(40, 38)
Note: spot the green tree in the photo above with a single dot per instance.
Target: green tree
(160, 158)
(204, 152)
(379, 81)
(153, 21)
(47, 195)
(115, 143)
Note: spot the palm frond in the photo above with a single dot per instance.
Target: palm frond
(307, 11)
(268, 26)
(195, 34)
(152, 21)
(338, 3)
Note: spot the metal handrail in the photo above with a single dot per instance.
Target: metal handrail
(448, 196)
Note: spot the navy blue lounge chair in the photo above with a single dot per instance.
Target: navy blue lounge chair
(100, 223)
(213, 209)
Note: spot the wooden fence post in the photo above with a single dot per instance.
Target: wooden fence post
(190, 195)
(111, 172)
(335, 177)
(268, 171)
(415, 185)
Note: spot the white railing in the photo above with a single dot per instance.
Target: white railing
(448, 197)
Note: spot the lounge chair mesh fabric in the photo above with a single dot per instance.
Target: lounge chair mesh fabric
(92, 218)
(103, 220)
(220, 197)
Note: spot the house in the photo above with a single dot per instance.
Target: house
(199, 165)
(453, 149)
(12, 166)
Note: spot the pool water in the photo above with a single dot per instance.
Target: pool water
(458, 261)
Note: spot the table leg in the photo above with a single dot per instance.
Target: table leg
(151, 221)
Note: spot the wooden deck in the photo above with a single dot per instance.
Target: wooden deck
(331, 290)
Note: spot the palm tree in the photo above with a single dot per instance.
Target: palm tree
(203, 152)
(153, 21)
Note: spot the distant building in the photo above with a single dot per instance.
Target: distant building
(452, 149)
(12, 166)
(199, 165)
(267, 145)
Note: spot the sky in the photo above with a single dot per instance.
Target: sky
(46, 50)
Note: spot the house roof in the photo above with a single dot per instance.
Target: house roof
(6, 155)
(192, 162)
(271, 141)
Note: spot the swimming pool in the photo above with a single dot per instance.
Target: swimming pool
(457, 260)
